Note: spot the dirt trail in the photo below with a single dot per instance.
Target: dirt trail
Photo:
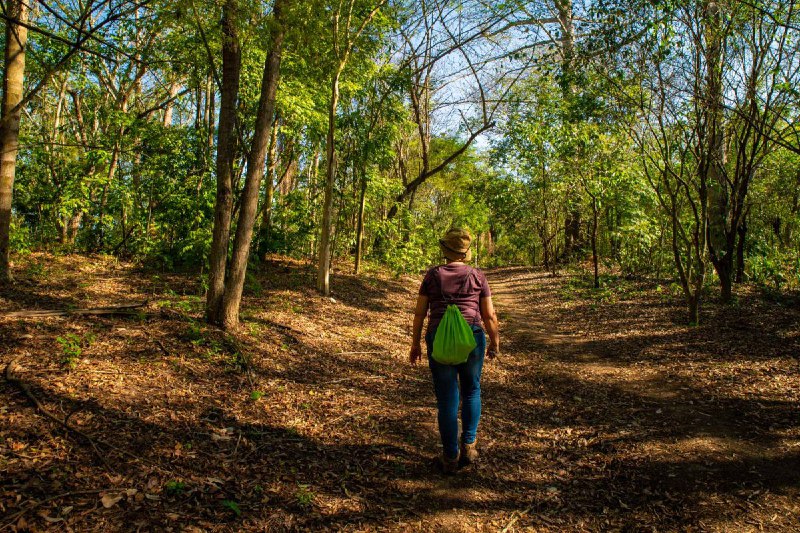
(573, 356)
(666, 434)
(602, 413)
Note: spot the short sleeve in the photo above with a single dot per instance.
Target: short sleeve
(485, 290)
(424, 288)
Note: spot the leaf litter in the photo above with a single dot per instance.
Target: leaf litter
(600, 414)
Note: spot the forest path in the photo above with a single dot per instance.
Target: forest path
(559, 349)
(603, 412)
(613, 382)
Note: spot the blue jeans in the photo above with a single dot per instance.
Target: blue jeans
(446, 380)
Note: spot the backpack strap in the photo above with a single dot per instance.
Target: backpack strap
(461, 288)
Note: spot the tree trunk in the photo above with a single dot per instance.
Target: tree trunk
(572, 233)
(112, 172)
(545, 250)
(170, 107)
(269, 186)
(360, 227)
(724, 270)
(721, 225)
(231, 70)
(73, 226)
(210, 111)
(693, 303)
(255, 169)
(311, 199)
(16, 40)
(326, 231)
(594, 245)
(742, 233)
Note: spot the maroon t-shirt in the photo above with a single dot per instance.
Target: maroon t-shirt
(457, 284)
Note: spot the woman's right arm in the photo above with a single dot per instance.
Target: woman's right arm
(492, 326)
(416, 333)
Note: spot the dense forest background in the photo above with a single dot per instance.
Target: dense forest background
(639, 138)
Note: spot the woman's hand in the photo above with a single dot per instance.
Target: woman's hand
(493, 349)
(415, 354)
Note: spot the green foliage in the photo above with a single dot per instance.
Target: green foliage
(174, 488)
(292, 226)
(304, 496)
(232, 506)
(72, 346)
(256, 395)
(102, 169)
(775, 269)
(21, 238)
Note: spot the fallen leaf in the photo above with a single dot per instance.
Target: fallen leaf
(109, 500)
(50, 519)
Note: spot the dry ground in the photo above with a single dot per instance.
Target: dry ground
(604, 411)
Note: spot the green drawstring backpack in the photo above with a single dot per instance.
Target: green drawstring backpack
(454, 339)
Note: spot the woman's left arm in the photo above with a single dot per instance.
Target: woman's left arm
(419, 318)
(492, 327)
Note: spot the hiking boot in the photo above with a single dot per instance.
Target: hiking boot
(469, 454)
(448, 466)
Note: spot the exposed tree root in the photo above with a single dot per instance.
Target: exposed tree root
(129, 309)
(11, 376)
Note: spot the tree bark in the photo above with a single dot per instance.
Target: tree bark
(742, 233)
(269, 186)
(112, 172)
(360, 227)
(231, 70)
(255, 169)
(720, 237)
(170, 107)
(210, 111)
(16, 40)
(595, 260)
(693, 304)
(326, 232)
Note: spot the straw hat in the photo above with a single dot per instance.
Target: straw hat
(455, 245)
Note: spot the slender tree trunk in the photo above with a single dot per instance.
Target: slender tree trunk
(360, 228)
(170, 107)
(231, 70)
(545, 250)
(112, 172)
(742, 233)
(313, 174)
(211, 111)
(269, 186)
(720, 237)
(594, 245)
(73, 226)
(16, 40)
(693, 303)
(255, 169)
(326, 232)
(572, 219)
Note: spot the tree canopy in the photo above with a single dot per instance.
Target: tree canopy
(649, 139)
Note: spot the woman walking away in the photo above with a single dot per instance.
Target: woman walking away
(456, 296)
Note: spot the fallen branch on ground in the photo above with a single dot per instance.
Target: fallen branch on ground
(10, 374)
(355, 353)
(162, 347)
(351, 378)
(13, 518)
(129, 309)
